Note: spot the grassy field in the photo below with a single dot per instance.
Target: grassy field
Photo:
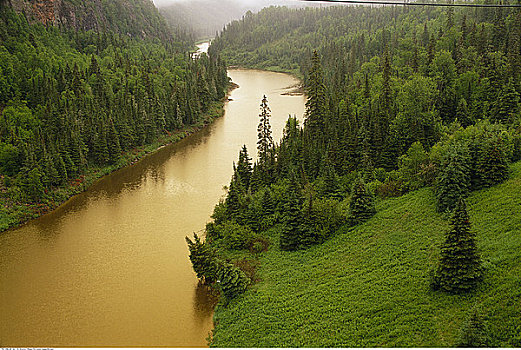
(369, 286)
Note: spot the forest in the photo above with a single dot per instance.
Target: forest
(412, 119)
(76, 104)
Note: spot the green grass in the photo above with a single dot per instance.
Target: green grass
(369, 286)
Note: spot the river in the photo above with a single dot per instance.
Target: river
(110, 266)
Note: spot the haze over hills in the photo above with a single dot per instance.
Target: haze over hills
(203, 18)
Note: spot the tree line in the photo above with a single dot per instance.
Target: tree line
(72, 100)
(397, 99)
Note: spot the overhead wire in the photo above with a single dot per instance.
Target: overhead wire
(412, 3)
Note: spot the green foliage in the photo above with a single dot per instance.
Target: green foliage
(232, 281)
(473, 332)
(411, 165)
(204, 260)
(460, 265)
(72, 99)
(231, 235)
(361, 204)
(372, 282)
(453, 180)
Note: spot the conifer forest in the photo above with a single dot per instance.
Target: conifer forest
(387, 215)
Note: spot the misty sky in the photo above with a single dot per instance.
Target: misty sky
(245, 3)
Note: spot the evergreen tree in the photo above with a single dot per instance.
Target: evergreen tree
(473, 332)
(361, 205)
(204, 260)
(244, 169)
(453, 180)
(316, 102)
(331, 187)
(492, 164)
(232, 280)
(291, 231)
(265, 141)
(460, 265)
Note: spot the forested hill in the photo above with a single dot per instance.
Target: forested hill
(202, 18)
(417, 103)
(76, 103)
(138, 18)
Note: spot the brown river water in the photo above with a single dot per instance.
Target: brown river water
(110, 267)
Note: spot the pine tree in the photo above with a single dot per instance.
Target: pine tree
(232, 202)
(244, 167)
(361, 205)
(232, 280)
(453, 180)
(507, 108)
(492, 164)
(291, 232)
(473, 332)
(204, 260)
(316, 103)
(331, 187)
(460, 265)
(265, 141)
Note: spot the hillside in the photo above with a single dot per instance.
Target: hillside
(137, 18)
(86, 88)
(369, 286)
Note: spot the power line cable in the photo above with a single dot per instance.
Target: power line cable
(414, 3)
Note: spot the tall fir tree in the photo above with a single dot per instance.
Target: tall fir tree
(460, 267)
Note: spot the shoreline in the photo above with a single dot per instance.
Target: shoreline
(16, 215)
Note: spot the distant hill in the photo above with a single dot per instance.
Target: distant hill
(203, 18)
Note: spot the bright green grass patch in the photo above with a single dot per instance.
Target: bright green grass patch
(369, 286)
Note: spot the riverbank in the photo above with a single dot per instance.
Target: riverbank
(368, 286)
(14, 214)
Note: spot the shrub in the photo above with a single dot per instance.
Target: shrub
(230, 235)
(473, 332)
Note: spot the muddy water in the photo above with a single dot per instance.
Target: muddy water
(110, 267)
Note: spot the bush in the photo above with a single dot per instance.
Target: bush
(473, 332)
(231, 235)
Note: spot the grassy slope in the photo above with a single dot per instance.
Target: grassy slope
(368, 286)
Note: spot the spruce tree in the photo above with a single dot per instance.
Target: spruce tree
(492, 163)
(316, 103)
(204, 260)
(291, 232)
(473, 332)
(361, 205)
(331, 187)
(460, 265)
(453, 180)
(244, 167)
(232, 280)
(265, 141)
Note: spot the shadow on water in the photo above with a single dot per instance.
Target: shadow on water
(150, 168)
(205, 300)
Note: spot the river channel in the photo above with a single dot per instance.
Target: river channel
(110, 266)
